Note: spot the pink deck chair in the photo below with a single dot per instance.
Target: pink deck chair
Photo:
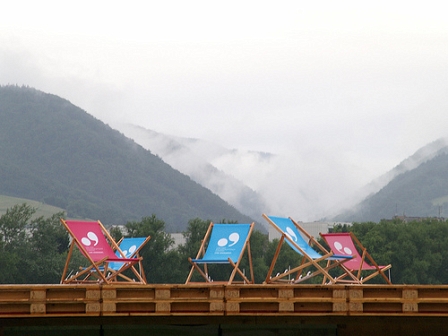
(303, 243)
(92, 239)
(346, 243)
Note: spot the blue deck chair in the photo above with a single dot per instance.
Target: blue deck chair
(129, 248)
(291, 232)
(224, 244)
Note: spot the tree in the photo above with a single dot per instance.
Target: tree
(160, 262)
(416, 250)
(14, 243)
(194, 235)
(32, 250)
(13, 225)
(47, 250)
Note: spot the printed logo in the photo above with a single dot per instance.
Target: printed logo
(291, 234)
(233, 238)
(91, 237)
(130, 252)
(343, 250)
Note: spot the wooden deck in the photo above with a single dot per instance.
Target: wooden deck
(350, 308)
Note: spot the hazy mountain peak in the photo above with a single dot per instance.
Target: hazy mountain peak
(208, 164)
(417, 187)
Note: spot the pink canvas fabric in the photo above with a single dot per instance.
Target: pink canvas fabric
(91, 236)
(342, 244)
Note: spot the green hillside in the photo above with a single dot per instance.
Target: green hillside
(45, 210)
(55, 153)
(420, 192)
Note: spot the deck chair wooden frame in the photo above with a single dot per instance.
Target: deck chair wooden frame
(311, 259)
(210, 244)
(97, 271)
(117, 268)
(361, 263)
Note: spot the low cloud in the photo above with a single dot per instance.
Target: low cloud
(307, 186)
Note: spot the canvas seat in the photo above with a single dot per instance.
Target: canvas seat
(346, 243)
(224, 244)
(92, 239)
(130, 247)
(310, 265)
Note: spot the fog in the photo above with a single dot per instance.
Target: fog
(339, 92)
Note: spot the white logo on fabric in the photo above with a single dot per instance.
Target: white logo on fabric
(91, 237)
(343, 250)
(291, 234)
(233, 238)
(131, 251)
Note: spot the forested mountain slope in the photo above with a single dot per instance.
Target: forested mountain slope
(420, 191)
(52, 151)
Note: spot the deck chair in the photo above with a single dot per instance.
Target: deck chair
(346, 243)
(224, 244)
(92, 239)
(131, 248)
(310, 266)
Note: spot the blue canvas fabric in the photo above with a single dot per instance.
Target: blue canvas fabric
(289, 229)
(303, 244)
(128, 246)
(226, 241)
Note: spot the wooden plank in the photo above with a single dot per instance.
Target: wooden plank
(222, 300)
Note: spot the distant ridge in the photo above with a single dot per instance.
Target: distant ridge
(417, 187)
(56, 153)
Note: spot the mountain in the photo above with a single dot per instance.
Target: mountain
(305, 185)
(208, 164)
(53, 152)
(417, 187)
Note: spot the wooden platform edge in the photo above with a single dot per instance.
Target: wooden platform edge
(37, 301)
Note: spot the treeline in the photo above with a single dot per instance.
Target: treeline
(34, 250)
(417, 250)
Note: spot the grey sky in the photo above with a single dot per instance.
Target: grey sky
(343, 87)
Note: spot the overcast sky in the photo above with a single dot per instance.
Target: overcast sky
(350, 86)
